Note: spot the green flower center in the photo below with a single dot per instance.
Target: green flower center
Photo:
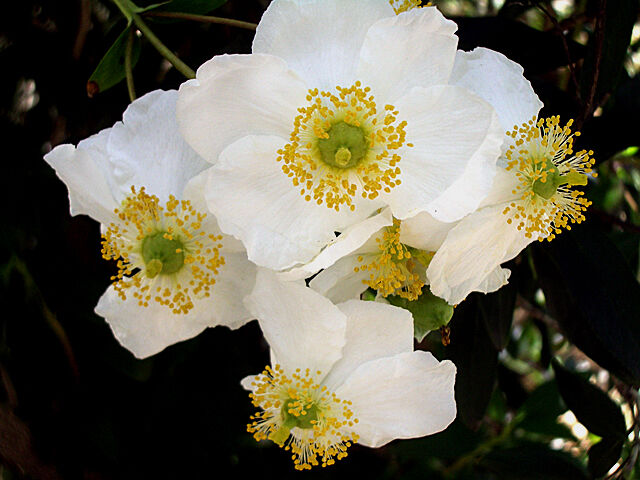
(345, 146)
(294, 414)
(162, 254)
(546, 187)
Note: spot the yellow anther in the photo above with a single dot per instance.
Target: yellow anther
(302, 417)
(334, 174)
(191, 273)
(546, 166)
(394, 270)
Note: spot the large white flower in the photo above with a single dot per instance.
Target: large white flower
(531, 197)
(462, 256)
(177, 273)
(341, 374)
(342, 109)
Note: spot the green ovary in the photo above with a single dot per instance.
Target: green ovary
(346, 146)
(547, 189)
(162, 255)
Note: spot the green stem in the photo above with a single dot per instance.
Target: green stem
(128, 69)
(128, 9)
(204, 19)
(161, 47)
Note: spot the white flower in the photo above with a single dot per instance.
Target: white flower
(342, 109)
(467, 254)
(531, 197)
(177, 274)
(341, 374)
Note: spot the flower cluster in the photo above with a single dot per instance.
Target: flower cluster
(373, 155)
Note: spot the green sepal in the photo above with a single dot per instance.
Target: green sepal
(429, 312)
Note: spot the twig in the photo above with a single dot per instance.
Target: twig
(599, 40)
(560, 29)
(204, 19)
(128, 10)
(128, 69)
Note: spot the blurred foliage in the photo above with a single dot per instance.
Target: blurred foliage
(548, 367)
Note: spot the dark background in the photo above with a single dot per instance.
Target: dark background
(74, 404)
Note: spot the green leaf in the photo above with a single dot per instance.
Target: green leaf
(110, 71)
(591, 406)
(476, 358)
(539, 413)
(429, 312)
(604, 455)
(619, 18)
(593, 294)
(497, 312)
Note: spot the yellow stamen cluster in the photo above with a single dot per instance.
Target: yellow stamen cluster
(302, 417)
(543, 160)
(141, 217)
(393, 269)
(400, 6)
(336, 185)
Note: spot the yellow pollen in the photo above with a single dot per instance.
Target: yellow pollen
(547, 168)
(144, 227)
(302, 417)
(400, 6)
(394, 269)
(367, 164)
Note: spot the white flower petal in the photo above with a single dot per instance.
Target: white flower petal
(500, 82)
(340, 282)
(502, 190)
(145, 331)
(472, 250)
(498, 278)
(344, 244)
(249, 382)
(235, 280)
(84, 170)
(468, 191)
(416, 48)
(424, 232)
(408, 395)
(194, 192)
(257, 203)
(320, 40)
(146, 148)
(237, 95)
(449, 128)
(304, 329)
(374, 330)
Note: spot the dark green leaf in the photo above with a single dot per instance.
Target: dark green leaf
(476, 358)
(110, 71)
(608, 57)
(196, 7)
(497, 313)
(591, 406)
(604, 455)
(533, 461)
(594, 296)
(539, 413)
(429, 312)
